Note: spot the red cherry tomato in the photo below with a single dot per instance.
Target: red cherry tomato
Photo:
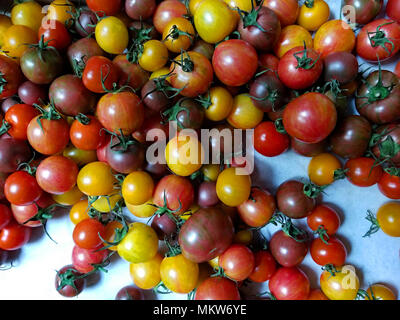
(264, 266)
(268, 141)
(21, 188)
(57, 35)
(5, 215)
(86, 234)
(104, 7)
(99, 70)
(393, 10)
(389, 185)
(18, 117)
(363, 172)
(13, 236)
(87, 136)
(326, 217)
(333, 252)
(83, 259)
(290, 284)
(237, 262)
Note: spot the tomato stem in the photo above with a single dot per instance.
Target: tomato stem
(3, 82)
(322, 233)
(171, 114)
(304, 62)
(312, 190)
(5, 126)
(175, 33)
(374, 224)
(379, 38)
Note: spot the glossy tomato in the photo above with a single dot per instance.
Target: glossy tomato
(57, 36)
(217, 288)
(21, 188)
(332, 252)
(322, 168)
(18, 117)
(99, 73)
(286, 10)
(237, 262)
(313, 14)
(365, 10)
(324, 216)
(286, 250)
(290, 284)
(363, 172)
(292, 36)
(393, 10)
(343, 285)
(389, 185)
(244, 113)
(10, 77)
(146, 275)
(14, 236)
(233, 187)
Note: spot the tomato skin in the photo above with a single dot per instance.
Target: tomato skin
(86, 234)
(12, 75)
(258, 210)
(154, 55)
(292, 36)
(179, 274)
(367, 48)
(130, 73)
(99, 68)
(389, 185)
(87, 136)
(388, 217)
(334, 286)
(380, 292)
(296, 77)
(287, 251)
(58, 36)
(146, 275)
(310, 118)
(311, 18)
(333, 36)
(397, 70)
(5, 215)
(180, 42)
(57, 174)
(68, 198)
(290, 284)
(14, 236)
(234, 62)
(322, 167)
(52, 139)
(264, 266)
(137, 188)
(237, 262)
(232, 188)
(217, 288)
(82, 259)
(214, 20)
(268, 141)
(28, 14)
(244, 114)
(325, 216)
(341, 66)
(365, 10)
(96, 179)
(286, 10)
(112, 35)
(362, 173)
(332, 253)
(21, 188)
(19, 116)
(13, 152)
(110, 8)
(60, 10)
(393, 10)
(221, 104)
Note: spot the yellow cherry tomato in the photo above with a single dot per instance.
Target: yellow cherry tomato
(109, 233)
(292, 36)
(146, 275)
(79, 211)
(178, 34)
(211, 171)
(220, 104)
(60, 10)
(68, 198)
(140, 243)
(321, 169)
(343, 285)
(380, 292)
(137, 188)
(244, 114)
(233, 188)
(17, 39)
(179, 274)
(214, 20)
(79, 156)
(112, 35)
(106, 203)
(193, 5)
(145, 210)
(313, 14)
(96, 179)
(159, 73)
(28, 14)
(5, 23)
(388, 217)
(184, 154)
(154, 55)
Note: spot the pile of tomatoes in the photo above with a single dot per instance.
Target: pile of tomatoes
(83, 87)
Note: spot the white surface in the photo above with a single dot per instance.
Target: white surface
(376, 259)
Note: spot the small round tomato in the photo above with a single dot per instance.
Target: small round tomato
(16, 40)
(388, 217)
(79, 156)
(321, 169)
(21, 188)
(178, 35)
(99, 70)
(139, 245)
(166, 11)
(83, 259)
(211, 171)
(74, 287)
(286, 10)
(10, 77)
(289, 284)
(18, 117)
(292, 36)
(237, 262)
(154, 55)
(57, 36)
(313, 14)
(235, 62)
(217, 288)
(363, 172)
(13, 236)
(389, 185)
(233, 187)
(333, 252)
(244, 114)
(60, 10)
(343, 285)
(112, 35)
(68, 198)
(326, 217)
(220, 103)
(109, 8)
(264, 266)
(268, 141)
(87, 234)
(380, 292)
(137, 188)
(96, 179)
(146, 275)
(184, 155)
(86, 134)
(79, 211)
(179, 274)
(334, 36)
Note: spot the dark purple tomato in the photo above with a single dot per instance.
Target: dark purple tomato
(8, 103)
(187, 113)
(292, 201)
(267, 92)
(365, 10)
(207, 194)
(67, 283)
(341, 66)
(70, 96)
(287, 251)
(81, 51)
(129, 293)
(378, 98)
(13, 152)
(351, 137)
(155, 99)
(164, 226)
(157, 170)
(389, 133)
(206, 235)
(140, 9)
(260, 27)
(308, 149)
(85, 23)
(125, 160)
(31, 93)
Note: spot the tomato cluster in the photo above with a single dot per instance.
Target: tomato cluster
(82, 89)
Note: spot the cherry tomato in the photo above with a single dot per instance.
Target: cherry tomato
(96, 179)
(68, 198)
(232, 188)
(5, 23)
(99, 70)
(237, 262)
(14, 236)
(264, 266)
(137, 188)
(79, 211)
(86, 136)
(166, 11)
(79, 156)
(109, 8)
(60, 10)
(333, 252)
(217, 288)
(16, 40)
(322, 167)
(154, 55)
(343, 285)
(292, 36)
(77, 285)
(268, 141)
(83, 259)
(144, 210)
(380, 292)
(363, 172)
(244, 114)
(87, 234)
(388, 217)
(146, 275)
(18, 117)
(290, 284)
(393, 10)
(112, 35)
(389, 185)
(326, 217)
(21, 188)
(220, 104)
(5, 215)
(57, 36)
(178, 34)
(286, 10)
(287, 251)
(317, 294)
(313, 14)
(140, 9)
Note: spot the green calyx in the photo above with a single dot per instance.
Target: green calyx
(78, 66)
(378, 38)
(175, 33)
(304, 62)
(41, 47)
(340, 174)
(3, 82)
(165, 210)
(172, 113)
(136, 49)
(250, 18)
(173, 250)
(322, 233)
(309, 3)
(161, 288)
(50, 113)
(5, 126)
(123, 141)
(83, 119)
(161, 85)
(205, 101)
(279, 126)
(331, 269)
(288, 227)
(312, 190)
(185, 62)
(374, 224)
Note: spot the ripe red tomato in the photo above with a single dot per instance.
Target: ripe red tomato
(264, 266)
(379, 40)
(234, 62)
(310, 118)
(21, 188)
(363, 172)
(326, 217)
(104, 7)
(83, 259)
(86, 234)
(18, 117)
(393, 10)
(286, 10)
(237, 262)
(389, 185)
(87, 136)
(290, 284)
(333, 252)
(99, 69)
(217, 288)
(13, 236)
(57, 36)
(166, 11)
(268, 141)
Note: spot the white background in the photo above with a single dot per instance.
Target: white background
(376, 259)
